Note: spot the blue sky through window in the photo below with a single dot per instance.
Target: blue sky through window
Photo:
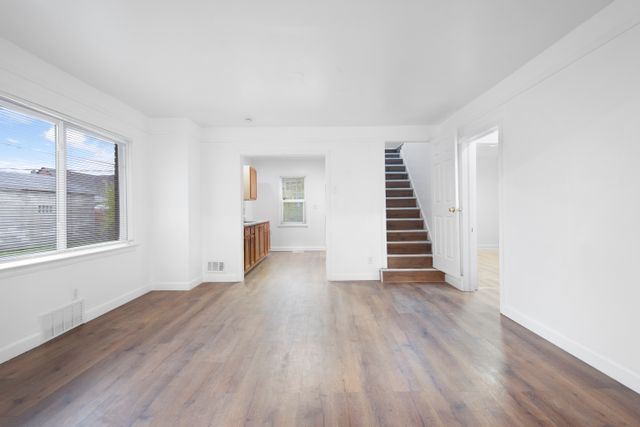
(28, 143)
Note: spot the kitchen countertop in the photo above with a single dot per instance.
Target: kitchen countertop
(250, 223)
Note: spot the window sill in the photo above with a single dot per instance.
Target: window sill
(293, 225)
(26, 265)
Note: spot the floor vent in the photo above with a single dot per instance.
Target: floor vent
(62, 320)
(215, 266)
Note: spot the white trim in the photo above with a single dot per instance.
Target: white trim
(613, 369)
(403, 208)
(177, 286)
(467, 201)
(115, 303)
(408, 241)
(298, 248)
(410, 269)
(20, 346)
(27, 265)
(223, 277)
(404, 219)
(61, 187)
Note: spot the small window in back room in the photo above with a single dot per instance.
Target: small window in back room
(293, 208)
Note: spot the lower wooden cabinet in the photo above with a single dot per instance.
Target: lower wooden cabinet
(257, 244)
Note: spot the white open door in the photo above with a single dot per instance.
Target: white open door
(446, 221)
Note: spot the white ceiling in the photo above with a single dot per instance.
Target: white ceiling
(292, 62)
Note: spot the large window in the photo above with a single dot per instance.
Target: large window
(293, 208)
(60, 184)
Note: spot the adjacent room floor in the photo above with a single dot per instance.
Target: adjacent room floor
(288, 348)
(488, 269)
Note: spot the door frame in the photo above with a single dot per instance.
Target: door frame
(468, 202)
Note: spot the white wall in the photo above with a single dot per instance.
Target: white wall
(570, 153)
(487, 195)
(355, 186)
(419, 159)
(104, 281)
(267, 206)
(176, 250)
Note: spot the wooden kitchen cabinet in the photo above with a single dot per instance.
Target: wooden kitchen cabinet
(250, 177)
(257, 244)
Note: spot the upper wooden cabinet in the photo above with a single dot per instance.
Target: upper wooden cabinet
(250, 183)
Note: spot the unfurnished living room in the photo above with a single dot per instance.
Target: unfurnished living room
(319, 213)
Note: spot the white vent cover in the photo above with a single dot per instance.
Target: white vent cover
(62, 319)
(215, 266)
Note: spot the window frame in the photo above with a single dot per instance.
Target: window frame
(61, 122)
(305, 219)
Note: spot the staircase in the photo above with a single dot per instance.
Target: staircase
(409, 256)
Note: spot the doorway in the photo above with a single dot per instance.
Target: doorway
(487, 212)
(290, 198)
(480, 220)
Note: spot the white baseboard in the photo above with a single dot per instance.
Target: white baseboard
(23, 345)
(616, 371)
(32, 341)
(115, 303)
(177, 286)
(298, 248)
(223, 277)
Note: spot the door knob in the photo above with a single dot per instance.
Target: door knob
(454, 210)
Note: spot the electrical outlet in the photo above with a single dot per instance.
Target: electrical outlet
(370, 260)
(75, 293)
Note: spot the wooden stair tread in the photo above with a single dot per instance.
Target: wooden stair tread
(412, 275)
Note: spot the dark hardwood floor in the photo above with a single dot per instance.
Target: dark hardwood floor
(288, 348)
